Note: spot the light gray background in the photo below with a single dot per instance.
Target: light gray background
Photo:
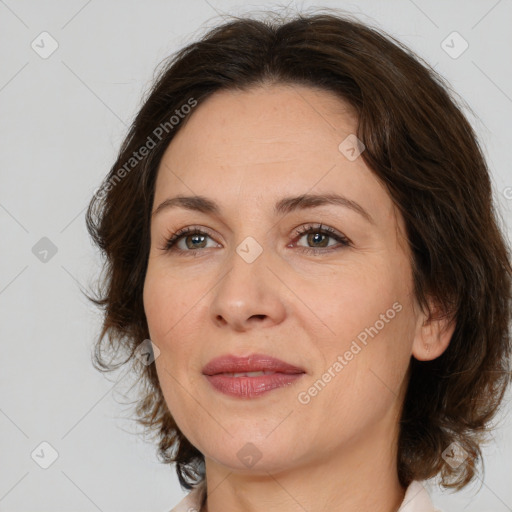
(62, 121)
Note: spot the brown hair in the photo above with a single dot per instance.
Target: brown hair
(418, 142)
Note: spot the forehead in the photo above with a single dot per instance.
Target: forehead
(267, 142)
(264, 124)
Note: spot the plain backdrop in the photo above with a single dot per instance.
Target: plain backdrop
(63, 117)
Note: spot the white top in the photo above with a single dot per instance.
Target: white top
(416, 499)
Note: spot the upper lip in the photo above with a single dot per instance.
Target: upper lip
(253, 363)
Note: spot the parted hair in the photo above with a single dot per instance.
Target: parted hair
(418, 143)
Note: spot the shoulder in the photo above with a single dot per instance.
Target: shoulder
(417, 499)
(192, 501)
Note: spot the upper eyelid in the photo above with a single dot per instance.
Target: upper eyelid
(325, 229)
(304, 229)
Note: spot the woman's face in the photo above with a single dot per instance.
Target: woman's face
(338, 305)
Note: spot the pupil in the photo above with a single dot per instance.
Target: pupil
(314, 237)
(195, 238)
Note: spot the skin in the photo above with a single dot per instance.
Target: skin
(245, 151)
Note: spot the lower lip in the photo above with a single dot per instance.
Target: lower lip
(251, 387)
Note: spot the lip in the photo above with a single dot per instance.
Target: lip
(251, 387)
(253, 363)
(284, 374)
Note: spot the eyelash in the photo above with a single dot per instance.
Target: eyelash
(330, 232)
(173, 238)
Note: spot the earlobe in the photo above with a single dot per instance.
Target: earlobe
(433, 335)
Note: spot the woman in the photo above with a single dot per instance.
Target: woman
(304, 266)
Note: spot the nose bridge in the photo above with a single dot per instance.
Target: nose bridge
(250, 249)
(247, 263)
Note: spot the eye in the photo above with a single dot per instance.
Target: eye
(319, 237)
(187, 240)
(191, 239)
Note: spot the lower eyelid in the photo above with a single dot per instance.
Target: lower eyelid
(341, 240)
(340, 244)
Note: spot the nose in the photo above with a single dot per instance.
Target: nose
(249, 295)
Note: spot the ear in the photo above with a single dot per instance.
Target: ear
(433, 334)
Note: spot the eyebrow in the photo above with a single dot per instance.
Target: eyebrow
(283, 206)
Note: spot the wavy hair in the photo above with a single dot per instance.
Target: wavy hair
(418, 143)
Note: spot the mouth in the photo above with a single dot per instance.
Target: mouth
(250, 377)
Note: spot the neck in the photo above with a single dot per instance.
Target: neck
(360, 476)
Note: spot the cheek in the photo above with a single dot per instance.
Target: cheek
(353, 299)
(175, 315)
(166, 303)
(369, 316)
(170, 308)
